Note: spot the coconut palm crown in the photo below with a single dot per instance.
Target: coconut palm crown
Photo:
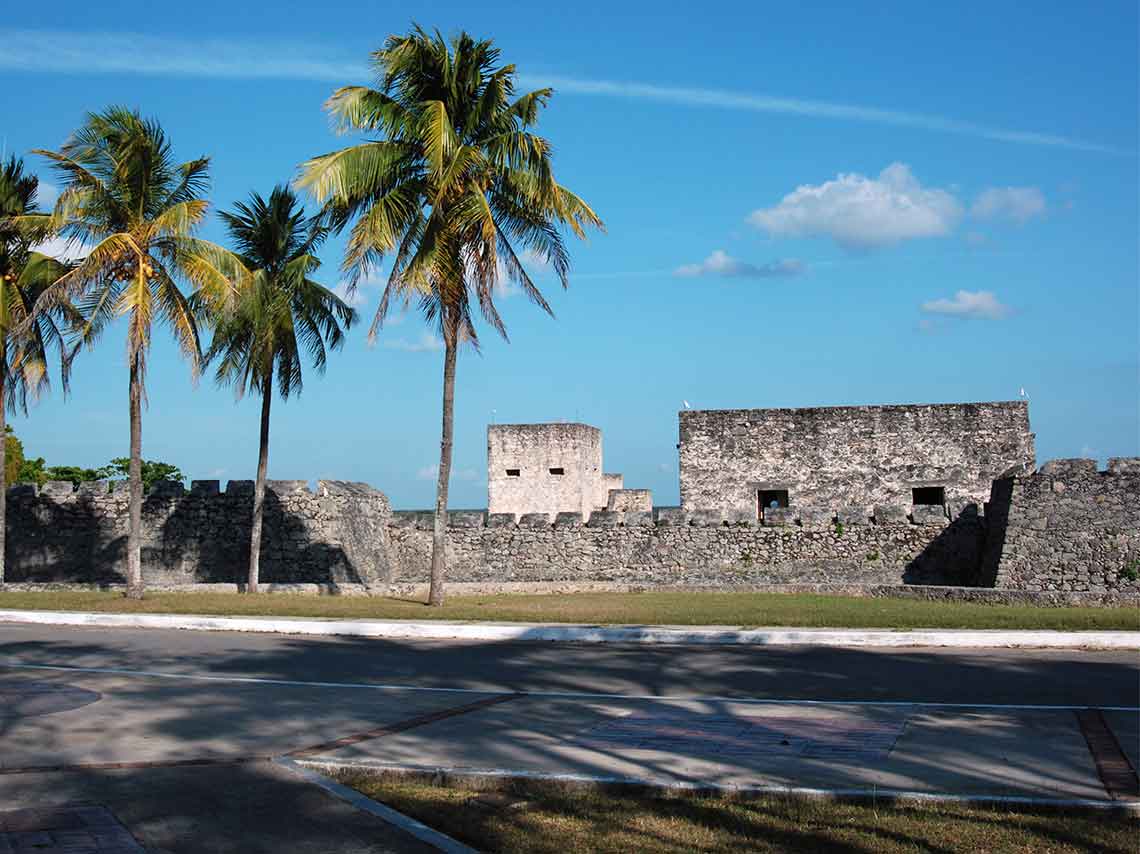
(25, 336)
(453, 183)
(279, 313)
(134, 210)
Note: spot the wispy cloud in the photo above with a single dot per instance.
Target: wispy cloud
(720, 263)
(129, 53)
(426, 343)
(975, 304)
(1019, 204)
(63, 249)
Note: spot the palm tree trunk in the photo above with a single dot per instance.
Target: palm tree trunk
(134, 477)
(259, 488)
(439, 532)
(3, 466)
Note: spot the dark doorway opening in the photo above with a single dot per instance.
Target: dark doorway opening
(928, 496)
(771, 499)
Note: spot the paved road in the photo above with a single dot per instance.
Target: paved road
(1030, 677)
(105, 716)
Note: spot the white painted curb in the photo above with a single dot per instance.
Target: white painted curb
(444, 630)
(431, 836)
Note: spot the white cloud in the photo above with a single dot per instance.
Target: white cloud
(64, 250)
(1018, 204)
(858, 212)
(356, 299)
(720, 263)
(432, 473)
(135, 53)
(976, 304)
(426, 343)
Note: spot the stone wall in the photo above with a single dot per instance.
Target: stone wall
(624, 500)
(1068, 527)
(522, 461)
(671, 547)
(851, 456)
(337, 534)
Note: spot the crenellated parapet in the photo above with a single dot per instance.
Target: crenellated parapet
(1067, 527)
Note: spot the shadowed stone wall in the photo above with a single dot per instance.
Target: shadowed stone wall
(671, 547)
(337, 534)
(1068, 527)
(851, 456)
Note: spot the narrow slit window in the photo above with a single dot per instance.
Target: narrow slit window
(933, 496)
(514, 472)
(558, 471)
(772, 499)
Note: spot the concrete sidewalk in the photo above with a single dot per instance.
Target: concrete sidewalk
(572, 633)
(928, 751)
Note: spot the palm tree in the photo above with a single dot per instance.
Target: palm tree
(453, 180)
(126, 197)
(24, 274)
(279, 313)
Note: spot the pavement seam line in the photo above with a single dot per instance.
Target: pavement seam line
(409, 825)
(402, 726)
(562, 695)
(433, 775)
(1112, 766)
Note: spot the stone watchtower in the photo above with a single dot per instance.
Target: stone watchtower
(546, 468)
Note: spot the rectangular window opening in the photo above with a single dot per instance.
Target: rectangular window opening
(558, 471)
(514, 472)
(772, 499)
(934, 496)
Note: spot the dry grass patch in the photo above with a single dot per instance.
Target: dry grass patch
(536, 821)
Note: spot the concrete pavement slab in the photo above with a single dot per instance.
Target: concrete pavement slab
(119, 718)
(907, 748)
(257, 808)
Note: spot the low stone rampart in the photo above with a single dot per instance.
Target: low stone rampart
(1069, 527)
(339, 533)
(671, 547)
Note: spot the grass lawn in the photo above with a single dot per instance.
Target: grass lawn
(539, 821)
(733, 609)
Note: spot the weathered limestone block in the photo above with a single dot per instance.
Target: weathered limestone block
(286, 487)
(239, 487)
(848, 516)
(94, 487)
(1069, 468)
(535, 521)
(466, 519)
(57, 488)
(740, 518)
(205, 487)
(425, 520)
(638, 519)
(630, 499)
(167, 489)
(817, 518)
(706, 518)
(22, 490)
(605, 518)
(404, 519)
(567, 519)
(1124, 465)
(891, 514)
(502, 520)
(929, 514)
(670, 516)
(779, 517)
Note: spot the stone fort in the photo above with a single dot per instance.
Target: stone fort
(945, 494)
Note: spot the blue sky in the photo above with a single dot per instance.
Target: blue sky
(806, 204)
